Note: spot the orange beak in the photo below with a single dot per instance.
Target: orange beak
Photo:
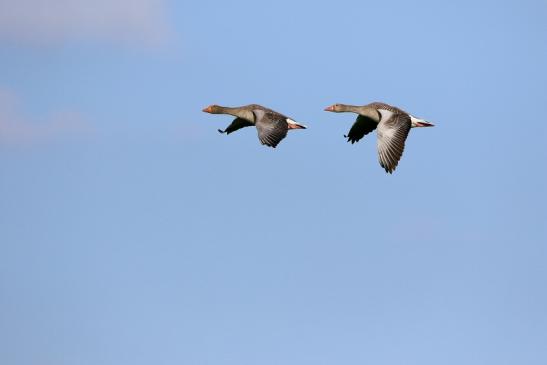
(208, 109)
(329, 108)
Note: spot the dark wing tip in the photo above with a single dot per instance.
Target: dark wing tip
(268, 144)
(350, 139)
(389, 169)
(221, 131)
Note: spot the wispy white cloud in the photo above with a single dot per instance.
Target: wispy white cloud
(16, 128)
(46, 22)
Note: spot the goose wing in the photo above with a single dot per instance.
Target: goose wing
(392, 135)
(236, 124)
(272, 128)
(362, 126)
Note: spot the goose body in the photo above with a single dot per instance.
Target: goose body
(392, 127)
(271, 126)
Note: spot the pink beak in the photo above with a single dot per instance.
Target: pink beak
(207, 110)
(329, 108)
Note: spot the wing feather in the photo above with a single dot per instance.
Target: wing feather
(236, 124)
(272, 127)
(392, 134)
(362, 126)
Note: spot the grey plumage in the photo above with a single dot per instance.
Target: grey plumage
(392, 125)
(392, 135)
(271, 126)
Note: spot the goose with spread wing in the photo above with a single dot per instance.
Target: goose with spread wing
(392, 125)
(272, 126)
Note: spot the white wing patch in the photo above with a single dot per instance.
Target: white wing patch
(386, 114)
(387, 133)
(259, 113)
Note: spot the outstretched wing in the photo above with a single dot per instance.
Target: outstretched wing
(361, 127)
(392, 135)
(272, 128)
(237, 123)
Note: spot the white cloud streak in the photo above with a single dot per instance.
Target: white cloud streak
(51, 22)
(19, 129)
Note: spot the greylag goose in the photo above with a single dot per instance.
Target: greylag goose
(392, 124)
(272, 126)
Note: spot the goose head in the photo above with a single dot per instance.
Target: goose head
(212, 109)
(336, 108)
(365, 110)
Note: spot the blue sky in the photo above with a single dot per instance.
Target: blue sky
(131, 232)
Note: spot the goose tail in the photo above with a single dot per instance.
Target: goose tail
(294, 125)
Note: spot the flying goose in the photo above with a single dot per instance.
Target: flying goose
(393, 125)
(272, 126)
